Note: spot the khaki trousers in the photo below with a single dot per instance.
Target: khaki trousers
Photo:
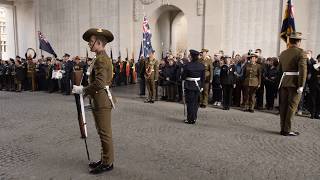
(248, 96)
(102, 119)
(289, 101)
(151, 89)
(205, 94)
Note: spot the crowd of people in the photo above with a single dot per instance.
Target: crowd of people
(238, 80)
(55, 75)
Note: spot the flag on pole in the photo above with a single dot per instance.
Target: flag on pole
(147, 46)
(45, 45)
(141, 52)
(288, 24)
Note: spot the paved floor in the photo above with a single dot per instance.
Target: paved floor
(40, 140)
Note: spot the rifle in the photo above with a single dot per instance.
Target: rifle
(80, 110)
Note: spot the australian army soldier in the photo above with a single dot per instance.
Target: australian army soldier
(100, 78)
(151, 76)
(252, 81)
(207, 62)
(293, 66)
(31, 70)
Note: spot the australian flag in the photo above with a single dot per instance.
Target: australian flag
(45, 45)
(288, 25)
(147, 47)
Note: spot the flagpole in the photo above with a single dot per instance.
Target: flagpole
(279, 30)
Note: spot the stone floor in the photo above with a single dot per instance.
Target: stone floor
(40, 140)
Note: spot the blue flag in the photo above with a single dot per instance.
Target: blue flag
(147, 46)
(45, 45)
(288, 24)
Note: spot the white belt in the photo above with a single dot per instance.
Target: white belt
(196, 82)
(192, 79)
(287, 74)
(107, 88)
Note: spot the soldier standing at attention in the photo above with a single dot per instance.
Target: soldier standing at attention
(151, 75)
(252, 81)
(207, 62)
(193, 75)
(100, 78)
(293, 67)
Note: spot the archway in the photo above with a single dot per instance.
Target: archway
(170, 30)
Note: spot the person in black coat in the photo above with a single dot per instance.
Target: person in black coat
(228, 80)
(170, 75)
(314, 84)
(193, 76)
(20, 75)
(271, 82)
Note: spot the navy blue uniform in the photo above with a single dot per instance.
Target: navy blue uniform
(192, 92)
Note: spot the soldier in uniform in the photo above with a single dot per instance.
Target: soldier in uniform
(207, 62)
(194, 77)
(293, 67)
(67, 71)
(315, 90)
(252, 81)
(31, 70)
(151, 75)
(100, 80)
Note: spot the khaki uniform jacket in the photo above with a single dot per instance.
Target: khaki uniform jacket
(293, 60)
(100, 77)
(153, 67)
(252, 75)
(207, 62)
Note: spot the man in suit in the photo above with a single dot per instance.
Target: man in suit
(100, 79)
(194, 77)
(293, 67)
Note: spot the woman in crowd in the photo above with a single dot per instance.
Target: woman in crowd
(227, 79)
(270, 82)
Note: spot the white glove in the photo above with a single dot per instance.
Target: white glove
(300, 90)
(77, 89)
(316, 66)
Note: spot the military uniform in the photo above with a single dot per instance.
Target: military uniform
(293, 62)
(151, 75)
(194, 77)
(100, 79)
(207, 62)
(252, 80)
(31, 70)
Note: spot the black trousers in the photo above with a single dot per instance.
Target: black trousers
(216, 93)
(271, 93)
(315, 100)
(142, 86)
(227, 95)
(192, 101)
(2, 82)
(259, 96)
